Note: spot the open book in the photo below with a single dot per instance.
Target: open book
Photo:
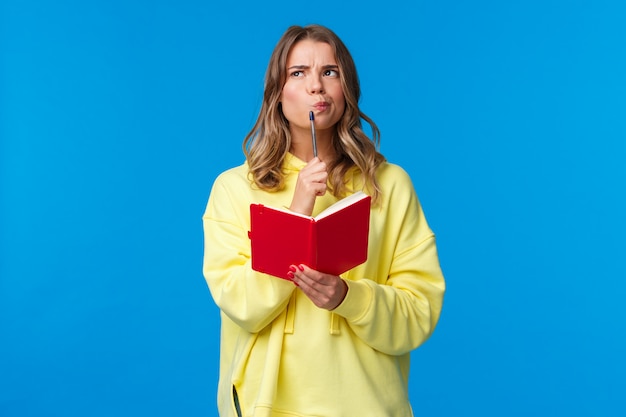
(333, 242)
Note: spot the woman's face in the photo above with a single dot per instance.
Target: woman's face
(313, 84)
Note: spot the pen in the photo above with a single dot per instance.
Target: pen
(312, 119)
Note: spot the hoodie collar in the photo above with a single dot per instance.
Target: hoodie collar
(293, 163)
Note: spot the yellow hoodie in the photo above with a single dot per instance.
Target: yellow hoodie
(286, 357)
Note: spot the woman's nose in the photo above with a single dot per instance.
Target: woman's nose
(316, 86)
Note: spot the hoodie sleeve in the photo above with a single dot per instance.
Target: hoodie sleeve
(250, 299)
(396, 310)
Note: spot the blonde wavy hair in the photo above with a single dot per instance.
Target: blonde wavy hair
(269, 141)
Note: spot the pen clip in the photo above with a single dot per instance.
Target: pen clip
(313, 137)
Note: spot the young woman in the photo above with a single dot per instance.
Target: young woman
(318, 345)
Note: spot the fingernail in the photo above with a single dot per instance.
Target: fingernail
(301, 267)
(290, 275)
(292, 268)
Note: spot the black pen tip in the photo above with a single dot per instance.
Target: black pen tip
(311, 116)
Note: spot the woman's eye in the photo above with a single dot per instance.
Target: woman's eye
(296, 74)
(331, 73)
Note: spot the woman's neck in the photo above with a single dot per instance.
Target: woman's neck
(302, 145)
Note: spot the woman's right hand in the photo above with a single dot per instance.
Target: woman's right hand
(310, 184)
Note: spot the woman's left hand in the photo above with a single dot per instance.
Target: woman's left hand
(326, 291)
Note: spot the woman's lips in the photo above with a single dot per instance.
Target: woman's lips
(321, 106)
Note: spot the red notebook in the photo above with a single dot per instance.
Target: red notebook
(332, 242)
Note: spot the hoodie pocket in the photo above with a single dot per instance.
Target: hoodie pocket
(236, 402)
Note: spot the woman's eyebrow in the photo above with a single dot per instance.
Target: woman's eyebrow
(328, 66)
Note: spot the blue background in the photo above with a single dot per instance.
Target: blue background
(116, 117)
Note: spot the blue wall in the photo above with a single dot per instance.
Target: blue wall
(115, 118)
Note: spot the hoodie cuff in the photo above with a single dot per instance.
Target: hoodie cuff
(357, 301)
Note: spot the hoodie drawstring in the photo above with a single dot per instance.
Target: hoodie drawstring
(291, 314)
(334, 324)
